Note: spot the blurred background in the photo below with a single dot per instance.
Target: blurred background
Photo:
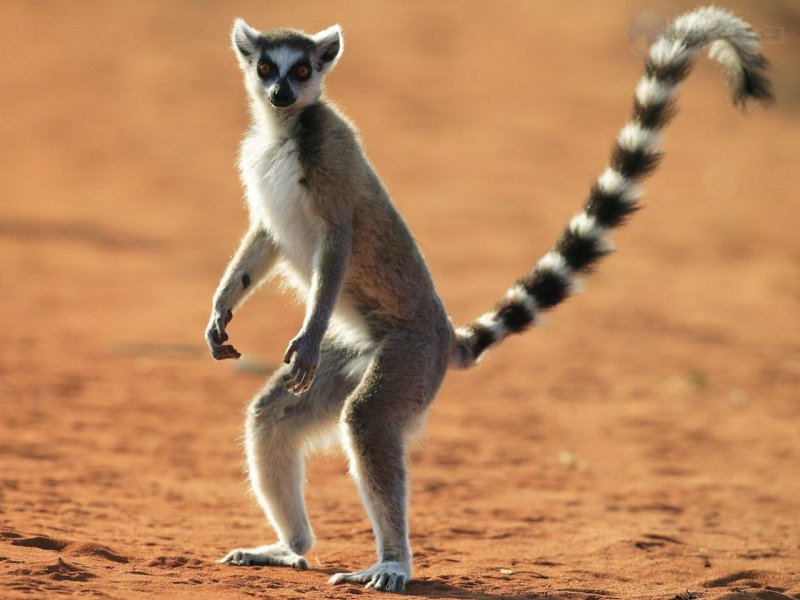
(643, 443)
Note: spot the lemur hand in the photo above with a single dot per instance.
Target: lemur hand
(305, 348)
(216, 336)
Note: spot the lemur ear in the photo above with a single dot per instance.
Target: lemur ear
(244, 40)
(329, 45)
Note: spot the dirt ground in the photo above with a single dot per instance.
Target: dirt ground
(644, 443)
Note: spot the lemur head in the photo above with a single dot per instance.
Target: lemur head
(284, 68)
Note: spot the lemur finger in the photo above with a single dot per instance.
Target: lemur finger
(310, 369)
(212, 337)
(300, 385)
(290, 380)
(305, 380)
(308, 377)
(299, 371)
(220, 323)
(302, 380)
(226, 351)
(287, 357)
(293, 387)
(378, 581)
(299, 378)
(290, 375)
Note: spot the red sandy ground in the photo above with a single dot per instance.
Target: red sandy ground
(642, 444)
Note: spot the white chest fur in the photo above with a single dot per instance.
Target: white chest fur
(272, 175)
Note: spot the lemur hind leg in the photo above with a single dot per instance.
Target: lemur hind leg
(398, 386)
(280, 428)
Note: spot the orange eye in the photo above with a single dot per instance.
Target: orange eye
(302, 71)
(264, 68)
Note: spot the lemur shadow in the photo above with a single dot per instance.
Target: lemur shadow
(438, 589)
(422, 588)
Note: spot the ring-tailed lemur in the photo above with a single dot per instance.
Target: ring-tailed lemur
(376, 340)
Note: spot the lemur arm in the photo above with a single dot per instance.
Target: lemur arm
(252, 262)
(330, 267)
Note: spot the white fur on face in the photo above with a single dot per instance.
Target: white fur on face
(285, 58)
(244, 40)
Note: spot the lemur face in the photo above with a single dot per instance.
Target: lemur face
(284, 68)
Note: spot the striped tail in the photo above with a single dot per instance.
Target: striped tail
(614, 195)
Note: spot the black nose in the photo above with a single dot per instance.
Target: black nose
(281, 94)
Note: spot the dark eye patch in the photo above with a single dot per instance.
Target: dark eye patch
(301, 70)
(266, 68)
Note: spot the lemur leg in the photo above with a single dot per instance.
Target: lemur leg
(400, 383)
(280, 429)
(252, 262)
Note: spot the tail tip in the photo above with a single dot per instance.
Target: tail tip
(744, 66)
(754, 86)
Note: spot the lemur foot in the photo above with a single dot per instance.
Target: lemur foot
(389, 576)
(272, 554)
